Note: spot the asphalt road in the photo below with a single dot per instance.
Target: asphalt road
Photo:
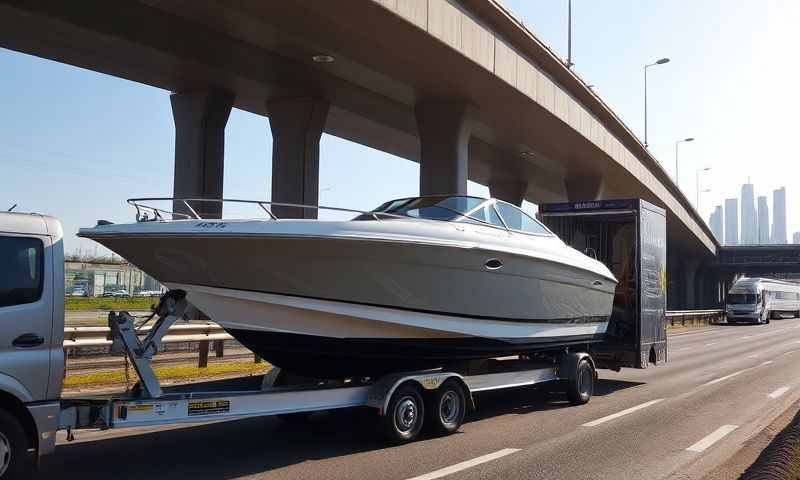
(722, 385)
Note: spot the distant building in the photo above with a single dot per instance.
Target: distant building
(731, 221)
(779, 216)
(749, 226)
(715, 222)
(95, 278)
(763, 221)
(796, 238)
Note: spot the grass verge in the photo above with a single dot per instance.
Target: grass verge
(178, 372)
(108, 303)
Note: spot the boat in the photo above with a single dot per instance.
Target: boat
(417, 283)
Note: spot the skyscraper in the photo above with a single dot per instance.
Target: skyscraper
(749, 219)
(715, 222)
(779, 216)
(731, 221)
(763, 221)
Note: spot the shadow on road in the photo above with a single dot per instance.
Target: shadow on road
(215, 451)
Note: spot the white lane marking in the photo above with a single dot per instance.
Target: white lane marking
(465, 465)
(712, 343)
(777, 393)
(746, 337)
(622, 413)
(712, 438)
(790, 352)
(720, 379)
(755, 355)
(767, 362)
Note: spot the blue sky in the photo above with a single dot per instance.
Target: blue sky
(76, 144)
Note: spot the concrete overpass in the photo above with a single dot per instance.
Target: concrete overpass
(462, 87)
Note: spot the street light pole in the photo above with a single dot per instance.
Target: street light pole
(697, 187)
(569, 34)
(678, 142)
(657, 62)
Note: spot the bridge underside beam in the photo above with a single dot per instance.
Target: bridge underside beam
(584, 187)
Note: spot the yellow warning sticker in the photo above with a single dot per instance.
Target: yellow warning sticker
(209, 407)
(142, 407)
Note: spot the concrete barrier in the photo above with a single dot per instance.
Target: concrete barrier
(781, 459)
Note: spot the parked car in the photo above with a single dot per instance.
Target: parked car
(78, 292)
(120, 293)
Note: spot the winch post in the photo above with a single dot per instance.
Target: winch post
(140, 352)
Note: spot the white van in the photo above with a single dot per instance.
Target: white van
(757, 300)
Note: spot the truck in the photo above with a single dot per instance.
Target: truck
(32, 361)
(630, 237)
(757, 300)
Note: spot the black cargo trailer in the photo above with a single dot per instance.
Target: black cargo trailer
(630, 237)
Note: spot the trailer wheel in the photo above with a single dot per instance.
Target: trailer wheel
(581, 386)
(446, 408)
(15, 460)
(405, 415)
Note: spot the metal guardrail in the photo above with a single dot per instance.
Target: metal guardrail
(201, 333)
(75, 337)
(695, 316)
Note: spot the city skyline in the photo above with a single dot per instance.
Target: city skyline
(746, 221)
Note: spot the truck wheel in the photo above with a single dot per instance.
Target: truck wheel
(446, 408)
(581, 386)
(15, 460)
(405, 415)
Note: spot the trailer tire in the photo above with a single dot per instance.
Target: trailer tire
(446, 408)
(580, 386)
(15, 460)
(405, 414)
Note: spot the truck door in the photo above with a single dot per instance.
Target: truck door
(26, 311)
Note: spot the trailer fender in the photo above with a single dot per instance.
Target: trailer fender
(381, 392)
(568, 364)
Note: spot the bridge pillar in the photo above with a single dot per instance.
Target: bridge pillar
(200, 119)
(444, 130)
(508, 190)
(584, 187)
(296, 125)
(691, 284)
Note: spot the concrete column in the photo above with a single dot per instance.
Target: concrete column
(444, 131)
(508, 190)
(296, 125)
(584, 187)
(200, 119)
(690, 285)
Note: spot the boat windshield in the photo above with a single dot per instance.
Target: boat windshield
(436, 207)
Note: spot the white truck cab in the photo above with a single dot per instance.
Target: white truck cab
(757, 300)
(31, 338)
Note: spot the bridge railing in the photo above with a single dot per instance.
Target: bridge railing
(684, 317)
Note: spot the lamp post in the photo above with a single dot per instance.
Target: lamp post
(569, 34)
(657, 62)
(678, 142)
(697, 187)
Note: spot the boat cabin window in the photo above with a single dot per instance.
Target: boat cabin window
(431, 208)
(518, 220)
(742, 298)
(487, 214)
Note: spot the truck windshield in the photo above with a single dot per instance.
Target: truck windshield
(741, 298)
